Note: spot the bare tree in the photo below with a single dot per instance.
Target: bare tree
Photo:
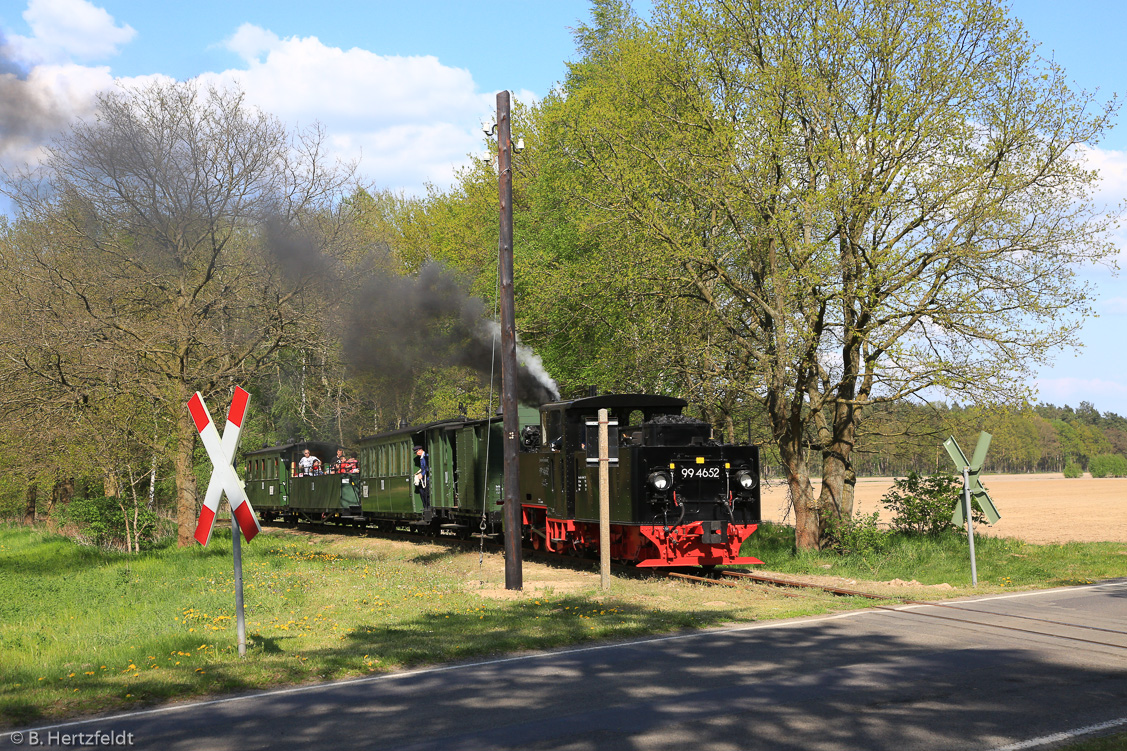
(141, 261)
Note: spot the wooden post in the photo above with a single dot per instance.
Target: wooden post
(514, 524)
(604, 501)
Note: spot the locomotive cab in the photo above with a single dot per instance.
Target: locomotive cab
(677, 496)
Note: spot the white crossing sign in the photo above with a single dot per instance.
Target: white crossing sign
(224, 479)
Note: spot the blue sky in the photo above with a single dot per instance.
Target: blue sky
(405, 86)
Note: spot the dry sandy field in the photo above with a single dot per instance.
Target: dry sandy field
(1036, 508)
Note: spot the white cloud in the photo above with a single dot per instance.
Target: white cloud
(1074, 390)
(409, 120)
(41, 104)
(68, 30)
(1112, 166)
(1111, 192)
(250, 41)
(1115, 305)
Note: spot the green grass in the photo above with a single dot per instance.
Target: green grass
(84, 630)
(1001, 562)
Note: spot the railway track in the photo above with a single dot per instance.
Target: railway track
(718, 578)
(739, 578)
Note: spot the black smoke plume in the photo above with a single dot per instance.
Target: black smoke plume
(396, 326)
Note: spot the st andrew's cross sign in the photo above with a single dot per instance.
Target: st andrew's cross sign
(971, 469)
(224, 479)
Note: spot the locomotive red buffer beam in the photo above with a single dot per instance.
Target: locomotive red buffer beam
(696, 544)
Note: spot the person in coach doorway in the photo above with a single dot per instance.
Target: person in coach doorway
(422, 482)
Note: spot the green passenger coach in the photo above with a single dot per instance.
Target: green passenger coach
(279, 490)
(465, 476)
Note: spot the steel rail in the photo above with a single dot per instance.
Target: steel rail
(806, 585)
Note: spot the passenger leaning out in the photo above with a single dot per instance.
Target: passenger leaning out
(308, 464)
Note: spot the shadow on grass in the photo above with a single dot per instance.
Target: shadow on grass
(443, 636)
(26, 699)
(437, 555)
(267, 645)
(57, 555)
(429, 637)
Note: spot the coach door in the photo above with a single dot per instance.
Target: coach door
(442, 465)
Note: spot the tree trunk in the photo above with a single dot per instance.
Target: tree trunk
(153, 482)
(61, 493)
(29, 511)
(185, 478)
(125, 518)
(807, 521)
(848, 492)
(837, 465)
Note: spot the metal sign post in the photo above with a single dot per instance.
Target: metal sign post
(237, 554)
(972, 487)
(970, 526)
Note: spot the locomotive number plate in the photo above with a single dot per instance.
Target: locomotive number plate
(699, 481)
(692, 472)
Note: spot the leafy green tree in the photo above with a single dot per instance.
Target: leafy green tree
(849, 203)
(1108, 465)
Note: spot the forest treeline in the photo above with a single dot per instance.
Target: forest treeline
(816, 221)
(1042, 438)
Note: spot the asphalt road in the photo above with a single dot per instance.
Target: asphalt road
(996, 673)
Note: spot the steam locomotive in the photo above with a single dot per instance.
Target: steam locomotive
(677, 497)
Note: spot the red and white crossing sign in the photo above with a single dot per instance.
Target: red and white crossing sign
(224, 479)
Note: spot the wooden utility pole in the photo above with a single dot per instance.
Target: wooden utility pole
(513, 521)
(604, 500)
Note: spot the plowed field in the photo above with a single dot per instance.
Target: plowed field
(1036, 508)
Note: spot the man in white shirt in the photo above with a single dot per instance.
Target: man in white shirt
(308, 464)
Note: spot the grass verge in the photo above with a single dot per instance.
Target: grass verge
(1002, 563)
(1117, 742)
(83, 630)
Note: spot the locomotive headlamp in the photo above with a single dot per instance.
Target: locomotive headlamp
(745, 479)
(659, 480)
